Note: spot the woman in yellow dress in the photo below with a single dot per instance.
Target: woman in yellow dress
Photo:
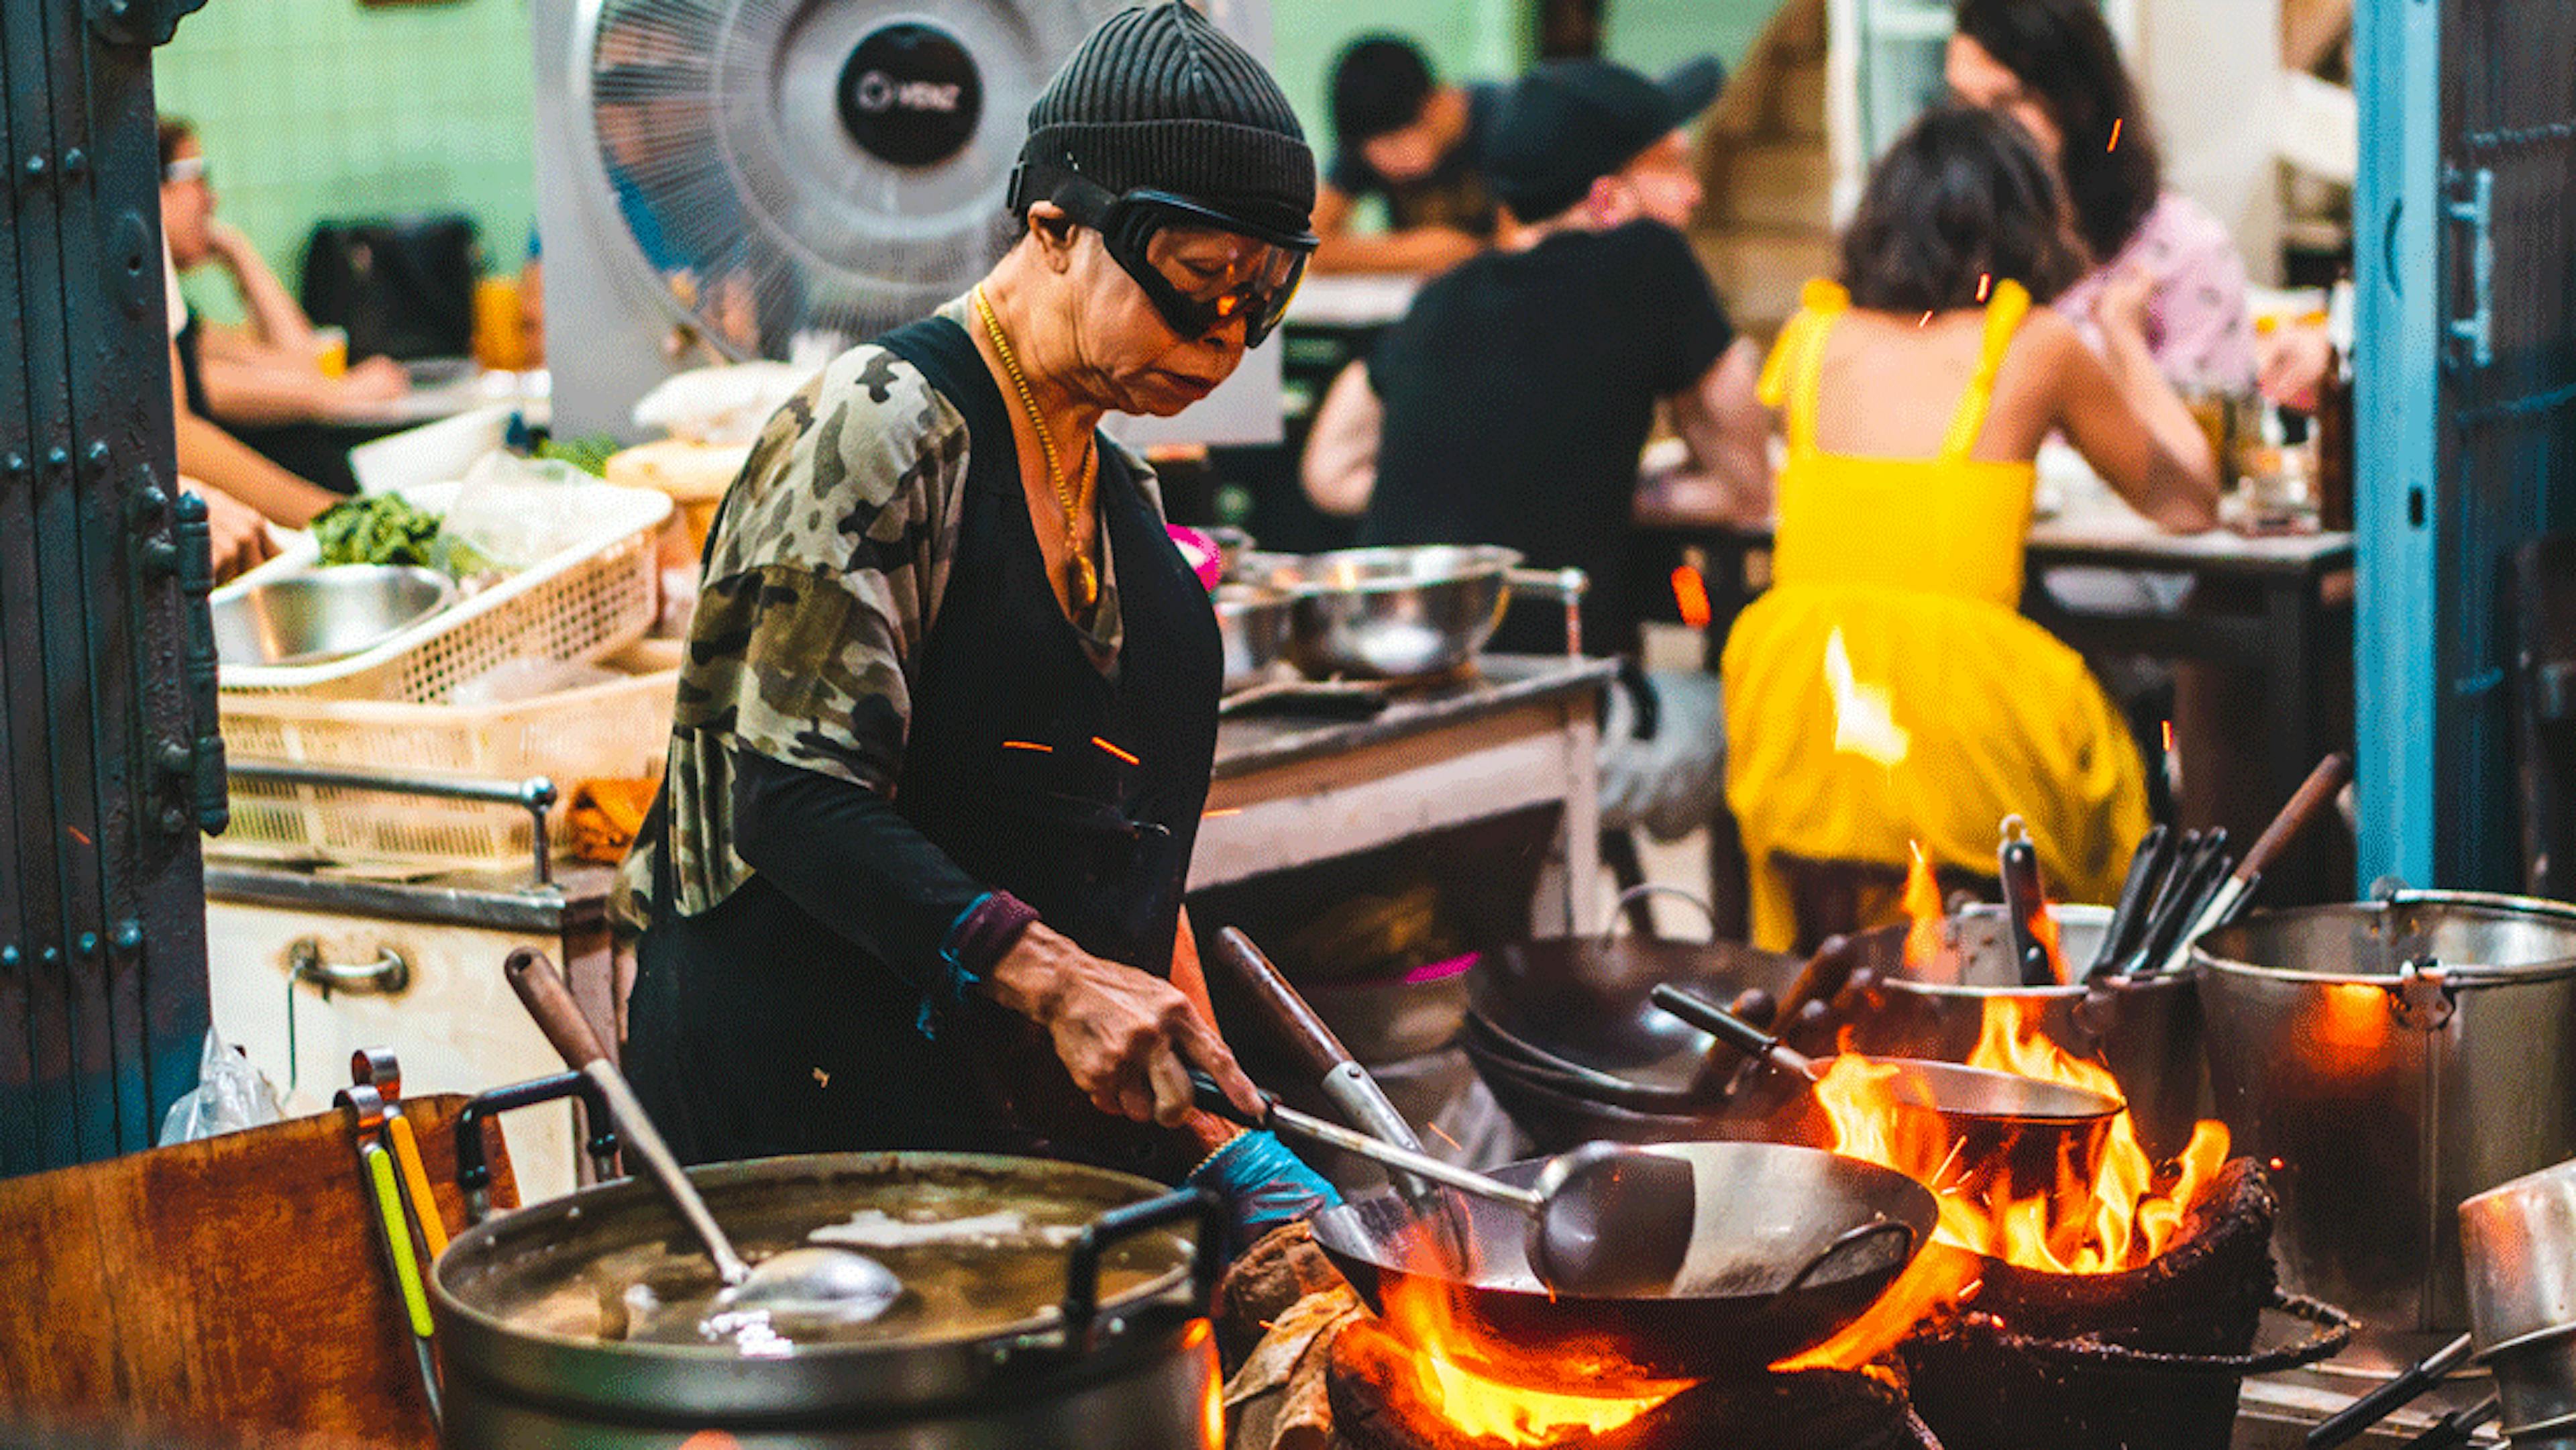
(1886, 691)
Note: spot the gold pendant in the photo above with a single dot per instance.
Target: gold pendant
(1082, 583)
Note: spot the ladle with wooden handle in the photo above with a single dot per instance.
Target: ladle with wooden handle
(809, 1282)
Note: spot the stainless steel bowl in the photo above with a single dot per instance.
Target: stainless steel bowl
(327, 614)
(1252, 620)
(1394, 612)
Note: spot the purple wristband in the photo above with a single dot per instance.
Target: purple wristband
(986, 932)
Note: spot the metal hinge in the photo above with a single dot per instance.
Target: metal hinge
(2473, 206)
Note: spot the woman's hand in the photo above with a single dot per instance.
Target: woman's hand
(1127, 1038)
(2292, 364)
(375, 380)
(2121, 306)
(239, 536)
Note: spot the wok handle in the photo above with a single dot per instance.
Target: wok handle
(2371, 1408)
(1708, 1017)
(1846, 1239)
(1196, 1206)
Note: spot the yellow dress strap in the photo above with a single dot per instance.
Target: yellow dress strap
(2004, 312)
(1789, 376)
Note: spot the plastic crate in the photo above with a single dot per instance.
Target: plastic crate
(618, 729)
(584, 603)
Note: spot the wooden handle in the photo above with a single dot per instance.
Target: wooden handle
(1824, 976)
(2305, 802)
(1287, 1013)
(542, 991)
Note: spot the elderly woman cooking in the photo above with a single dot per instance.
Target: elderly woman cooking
(944, 731)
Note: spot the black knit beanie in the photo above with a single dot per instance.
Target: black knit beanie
(1159, 97)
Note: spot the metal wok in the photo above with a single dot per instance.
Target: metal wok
(1581, 1003)
(1791, 1245)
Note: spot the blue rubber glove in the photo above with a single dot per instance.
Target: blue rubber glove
(1263, 1185)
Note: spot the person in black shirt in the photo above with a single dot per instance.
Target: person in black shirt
(1511, 405)
(1416, 143)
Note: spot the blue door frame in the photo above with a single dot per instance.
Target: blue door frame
(2395, 204)
(2465, 249)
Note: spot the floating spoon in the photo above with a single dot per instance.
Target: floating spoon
(811, 1283)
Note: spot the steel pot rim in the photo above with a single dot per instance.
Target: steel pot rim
(2466, 975)
(818, 1379)
(617, 1194)
(1475, 562)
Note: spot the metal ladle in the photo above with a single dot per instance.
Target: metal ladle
(1605, 1220)
(810, 1283)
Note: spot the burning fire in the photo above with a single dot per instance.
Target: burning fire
(2127, 1219)
(1922, 903)
(1419, 1311)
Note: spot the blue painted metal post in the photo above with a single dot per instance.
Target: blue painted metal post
(2396, 230)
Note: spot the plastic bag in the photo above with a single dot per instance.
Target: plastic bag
(513, 512)
(1672, 783)
(720, 405)
(230, 1095)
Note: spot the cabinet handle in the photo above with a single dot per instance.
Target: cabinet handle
(388, 975)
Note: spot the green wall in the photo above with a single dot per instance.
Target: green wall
(314, 109)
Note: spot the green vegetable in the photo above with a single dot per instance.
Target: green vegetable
(386, 528)
(590, 455)
(383, 528)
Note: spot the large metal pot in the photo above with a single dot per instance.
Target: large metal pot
(1085, 1329)
(2145, 1029)
(2391, 1059)
(1402, 612)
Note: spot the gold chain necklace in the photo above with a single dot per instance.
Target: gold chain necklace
(1082, 581)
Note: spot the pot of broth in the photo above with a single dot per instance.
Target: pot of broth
(1042, 1304)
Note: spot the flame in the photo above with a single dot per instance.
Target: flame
(1940, 1276)
(1690, 596)
(1420, 1311)
(2113, 1221)
(1922, 903)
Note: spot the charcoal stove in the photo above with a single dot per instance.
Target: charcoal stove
(2147, 1359)
(1379, 1402)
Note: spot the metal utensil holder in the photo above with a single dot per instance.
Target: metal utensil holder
(536, 795)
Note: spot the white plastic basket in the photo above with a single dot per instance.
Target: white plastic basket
(583, 603)
(615, 730)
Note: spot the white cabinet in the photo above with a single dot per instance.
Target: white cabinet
(454, 1022)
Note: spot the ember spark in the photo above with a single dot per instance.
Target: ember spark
(2115, 135)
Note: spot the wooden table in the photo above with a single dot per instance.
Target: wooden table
(1291, 789)
(2280, 605)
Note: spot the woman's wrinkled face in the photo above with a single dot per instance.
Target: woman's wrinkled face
(1980, 80)
(1133, 356)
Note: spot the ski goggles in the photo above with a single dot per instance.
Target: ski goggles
(1200, 267)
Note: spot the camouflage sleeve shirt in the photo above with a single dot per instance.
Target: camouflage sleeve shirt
(820, 587)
